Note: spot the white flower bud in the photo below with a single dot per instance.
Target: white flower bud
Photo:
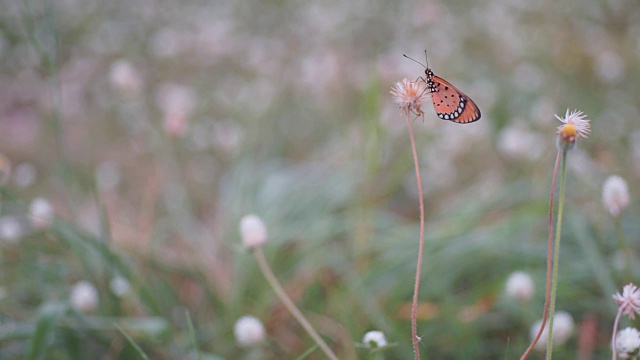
(562, 329)
(40, 213)
(249, 331)
(374, 339)
(119, 286)
(519, 286)
(84, 296)
(627, 342)
(615, 195)
(253, 231)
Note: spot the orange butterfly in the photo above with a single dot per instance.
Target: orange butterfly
(449, 102)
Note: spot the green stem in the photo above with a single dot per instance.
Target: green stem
(547, 291)
(288, 303)
(556, 253)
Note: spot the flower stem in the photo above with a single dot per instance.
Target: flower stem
(613, 336)
(288, 303)
(556, 252)
(414, 306)
(545, 313)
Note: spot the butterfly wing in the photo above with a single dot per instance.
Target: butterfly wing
(451, 103)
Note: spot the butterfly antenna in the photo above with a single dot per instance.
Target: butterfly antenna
(410, 58)
(426, 58)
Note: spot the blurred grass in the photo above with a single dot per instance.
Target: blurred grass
(290, 119)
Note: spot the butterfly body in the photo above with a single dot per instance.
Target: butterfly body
(449, 102)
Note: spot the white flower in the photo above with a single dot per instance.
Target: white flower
(409, 96)
(40, 213)
(615, 195)
(519, 286)
(578, 120)
(575, 125)
(177, 102)
(125, 77)
(374, 339)
(629, 301)
(119, 286)
(562, 329)
(84, 296)
(252, 231)
(627, 342)
(11, 229)
(248, 331)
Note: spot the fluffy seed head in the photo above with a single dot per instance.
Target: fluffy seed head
(249, 331)
(629, 301)
(519, 286)
(563, 326)
(84, 296)
(40, 213)
(615, 195)
(409, 96)
(628, 342)
(374, 339)
(252, 231)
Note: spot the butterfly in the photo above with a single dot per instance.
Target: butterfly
(449, 102)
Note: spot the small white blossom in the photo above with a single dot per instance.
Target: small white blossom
(615, 195)
(519, 286)
(119, 286)
(374, 339)
(11, 229)
(409, 96)
(249, 331)
(84, 296)
(40, 213)
(629, 301)
(252, 231)
(628, 342)
(578, 120)
(563, 326)
(125, 77)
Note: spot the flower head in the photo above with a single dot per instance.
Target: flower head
(575, 125)
(252, 231)
(615, 195)
(125, 77)
(563, 326)
(84, 296)
(120, 286)
(374, 339)
(628, 342)
(11, 229)
(629, 301)
(519, 286)
(409, 96)
(40, 213)
(248, 331)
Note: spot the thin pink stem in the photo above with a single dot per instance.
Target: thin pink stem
(414, 306)
(613, 336)
(545, 313)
